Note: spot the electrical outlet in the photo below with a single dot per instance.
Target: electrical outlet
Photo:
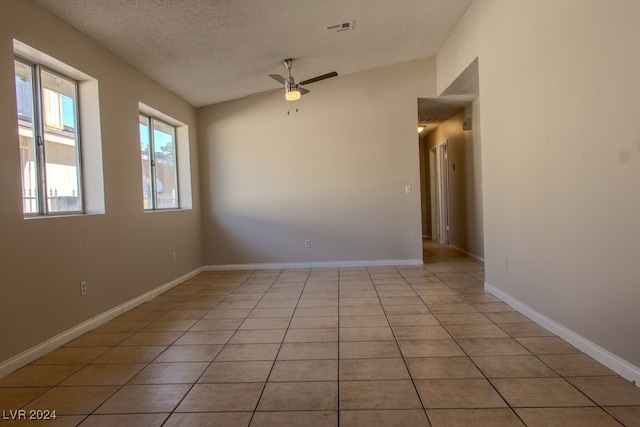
(506, 263)
(83, 288)
(307, 243)
(174, 257)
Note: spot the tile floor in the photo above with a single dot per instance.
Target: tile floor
(378, 346)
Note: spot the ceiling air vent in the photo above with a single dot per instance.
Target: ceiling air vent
(336, 28)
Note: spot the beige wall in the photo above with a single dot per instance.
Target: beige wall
(334, 172)
(122, 253)
(465, 179)
(561, 162)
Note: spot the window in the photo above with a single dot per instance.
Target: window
(47, 104)
(159, 164)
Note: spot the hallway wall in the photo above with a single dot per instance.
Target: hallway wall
(121, 252)
(465, 179)
(331, 168)
(561, 162)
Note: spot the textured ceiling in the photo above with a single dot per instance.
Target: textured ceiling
(209, 51)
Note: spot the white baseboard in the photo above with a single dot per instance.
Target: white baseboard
(611, 361)
(333, 264)
(43, 348)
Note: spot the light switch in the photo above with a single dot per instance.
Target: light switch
(407, 189)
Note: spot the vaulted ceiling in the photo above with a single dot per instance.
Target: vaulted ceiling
(210, 51)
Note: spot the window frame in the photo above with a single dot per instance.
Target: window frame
(39, 123)
(151, 119)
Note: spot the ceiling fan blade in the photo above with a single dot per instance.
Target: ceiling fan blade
(278, 78)
(318, 78)
(303, 90)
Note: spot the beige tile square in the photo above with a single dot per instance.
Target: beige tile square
(260, 313)
(258, 336)
(236, 305)
(450, 319)
(175, 325)
(122, 325)
(368, 350)
(300, 396)
(99, 339)
(190, 353)
(137, 314)
(314, 350)
(476, 331)
(458, 393)
(316, 311)
(513, 367)
(184, 315)
(373, 369)
(237, 372)
(363, 321)
(239, 352)
(442, 368)
(378, 333)
(492, 307)
(395, 394)
(406, 333)
(430, 348)
(315, 322)
(138, 399)
(208, 419)
(507, 317)
(449, 298)
(413, 299)
(575, 365)
(452, 308)
(71, 356)
(523, 330)
(361, 310)
(295, 418)
(170, 373)
(566, 417)
(132, 354)
(311, 335)
(492, 347)
(151, 338)
(540, 392)
(390, 418)
(413, 309)
(14, 398)
(494, 417)
(360, 301)
(104, 374)
(217, 325)
(73, 400)
(304, 370)
(219, 313)
(608, 390)
(204, 337)
(547, 345)
(221, 397)
(38, 375)
(138, 420)
(627, 415)
(317, 302)
(413, 320)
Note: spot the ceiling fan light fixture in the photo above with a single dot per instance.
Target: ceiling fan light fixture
(291, 92)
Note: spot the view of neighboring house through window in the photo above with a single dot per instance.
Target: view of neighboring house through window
(49, 140)
(159, 170)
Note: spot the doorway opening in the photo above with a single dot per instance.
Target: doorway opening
(451, 172)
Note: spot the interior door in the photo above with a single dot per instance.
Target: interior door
(435, 199)
(443, 189)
